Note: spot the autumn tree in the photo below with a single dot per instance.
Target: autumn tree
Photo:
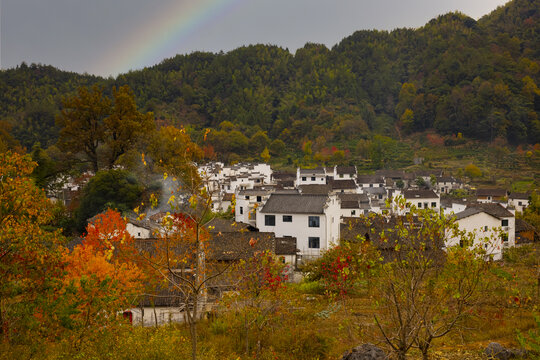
(423, 292)
(125, 126)
(101, 129)
(183, 244)
(29, 254)
(259, 283)
(102, 278)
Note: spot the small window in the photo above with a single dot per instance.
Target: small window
(419, 205)
(241, 210)
(340, 175)
(485, 228)
(313, 221)
(247, 197)
(504, 222)
(270, 220)
(313, 178)
(433, 204)
(259, 198)
(314, 242)
(139, 234)
(287, 218)
(520, 203)
(370, 185)
(304, 178)
(353, 212)
(380, 196)
(504, 237)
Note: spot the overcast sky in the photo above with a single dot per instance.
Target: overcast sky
(107, 37)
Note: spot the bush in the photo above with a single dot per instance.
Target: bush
(311, 287)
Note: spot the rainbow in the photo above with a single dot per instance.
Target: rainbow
(154, 40)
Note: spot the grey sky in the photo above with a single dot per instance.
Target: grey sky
(109, 36)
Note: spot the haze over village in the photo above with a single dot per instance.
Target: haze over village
(190, 193)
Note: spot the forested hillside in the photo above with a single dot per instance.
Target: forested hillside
(453, 75)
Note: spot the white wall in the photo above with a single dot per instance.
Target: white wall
(456, 208)
(486, 232)
(328, 231)
(164, 315)
(516, 204)
(423, 201)
(138, 232)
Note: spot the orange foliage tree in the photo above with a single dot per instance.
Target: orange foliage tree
(96, 288)
(102, 278)
(29, 255)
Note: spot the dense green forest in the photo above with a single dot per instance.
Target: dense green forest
(453, 75)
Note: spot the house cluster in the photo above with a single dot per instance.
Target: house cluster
(299, 215)
(312, 206)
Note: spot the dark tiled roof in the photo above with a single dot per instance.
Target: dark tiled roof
(287, 191)
(286, 246)
(253, 192)
(316, 171)
(353, 197)
(369, 179)
(518, 195)
(372, 228)
(295, 204)
(147, 224)
(467, 212)
(286, 183)
(230, 246)
(522, 225)
(283, 176)
(315, 189)
(345, 170)
(495, 210)
(228, 197)
(446, 179)
(343, 184)
(491, 192)
(217, 225)
(375, 190)
(350, 205)
(395, 174)
(419, 194)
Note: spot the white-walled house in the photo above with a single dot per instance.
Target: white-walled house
(344, 186)
(492, 224)
(423, 199)
(247, 201)
(490, 195)
(344, 172)
(142, 229)
(518, 200)
(312, 219)
(369, 181)
(354, 205)
(310, 176)
(453, 206)
(445, 184)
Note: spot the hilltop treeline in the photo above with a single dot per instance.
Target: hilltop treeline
(453, 75)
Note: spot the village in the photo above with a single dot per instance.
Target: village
(299, 216)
